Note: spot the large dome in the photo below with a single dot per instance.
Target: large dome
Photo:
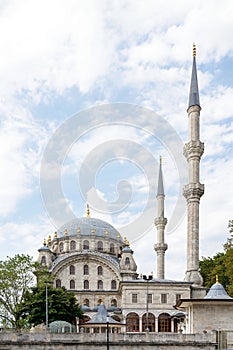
(89, 227)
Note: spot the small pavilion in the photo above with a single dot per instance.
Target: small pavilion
(102, 322)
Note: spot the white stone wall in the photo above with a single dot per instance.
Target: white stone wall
(209, 317)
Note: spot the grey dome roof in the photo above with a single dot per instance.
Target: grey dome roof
(44, 248)
(217, 291)
(85, 226)
(127, 249)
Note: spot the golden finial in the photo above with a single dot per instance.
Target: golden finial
(55, 234)
(88, 211)
(217, 279)
(140, 275)
(49, 239)
(160, 160)
(106, 232)
(194, 50)
(44, 242)
(92, 231)
(118, 235)
(66, 232)
(78, 230)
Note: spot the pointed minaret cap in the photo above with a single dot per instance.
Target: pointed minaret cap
(194, 92)
(160, 190)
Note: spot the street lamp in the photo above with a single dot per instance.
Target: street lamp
(107, 322)
(147, 279)
(46, 305)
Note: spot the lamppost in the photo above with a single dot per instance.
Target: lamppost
(46, 305)
(147, 279)
(107, 322)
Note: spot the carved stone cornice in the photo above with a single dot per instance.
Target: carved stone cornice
(160, 247)
(193, 149)
(192, 109)
(160, 222)
(193, 191)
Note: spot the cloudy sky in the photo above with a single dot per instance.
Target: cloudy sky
(100, 88)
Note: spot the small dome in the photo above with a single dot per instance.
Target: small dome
(44, 248)
(88, 227)
(217, 291)
(127, 249)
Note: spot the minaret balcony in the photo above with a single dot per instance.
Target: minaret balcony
(160, 222)
(193, 149)
(160, 247)
(193, 191)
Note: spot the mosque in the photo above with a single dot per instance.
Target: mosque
(89, 257)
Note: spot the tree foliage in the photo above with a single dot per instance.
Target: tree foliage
(62, 305)
(221, 264)
(16, 278)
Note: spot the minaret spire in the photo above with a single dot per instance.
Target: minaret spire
(193, 151)
(194, 92)
(160, 223)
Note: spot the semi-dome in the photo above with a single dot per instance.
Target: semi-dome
(89, 227)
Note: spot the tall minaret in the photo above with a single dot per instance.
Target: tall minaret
(160, 223)
(193, 151)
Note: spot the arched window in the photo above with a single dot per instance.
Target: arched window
(150, 324)
(164, 324)
(113, 284)
(100, 284)
(58, 283)
(132, 322)
(86, 284)
(85, 270)
(43, 260)
(72, 284)
(72, 245)
(112, 248)
(72, 270)
(100, 246)
(86, 302)
(114, 302)
(127, 261)
(99, 270)
(86, 244)
(61, 247)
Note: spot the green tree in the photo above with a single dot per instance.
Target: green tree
(62, 305)
(211, 267)
(221, 264)
(16, 278)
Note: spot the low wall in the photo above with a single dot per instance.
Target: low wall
(129, 341)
